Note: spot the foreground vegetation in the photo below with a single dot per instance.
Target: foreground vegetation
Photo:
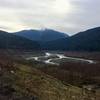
(28, 80)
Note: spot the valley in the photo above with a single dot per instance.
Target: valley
(49, 49)
(50, 65)
(76, 71)
(34, 74)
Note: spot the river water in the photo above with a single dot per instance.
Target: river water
(52, 58)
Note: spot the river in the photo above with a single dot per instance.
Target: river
(50, 58)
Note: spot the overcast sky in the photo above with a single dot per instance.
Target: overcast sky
(70, 16)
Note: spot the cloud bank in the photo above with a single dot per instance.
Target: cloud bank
(70, 16)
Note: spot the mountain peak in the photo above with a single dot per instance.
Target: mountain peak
(42, 35)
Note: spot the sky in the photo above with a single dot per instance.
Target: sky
(69, 16)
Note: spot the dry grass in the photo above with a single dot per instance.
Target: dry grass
(21, 81)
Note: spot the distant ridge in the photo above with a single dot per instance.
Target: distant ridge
(88, 40)
(11, 41)
(41, 35)
(83, 41)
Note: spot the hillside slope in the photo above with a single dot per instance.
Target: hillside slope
(84, 41)
(21, 82)
(10, 41)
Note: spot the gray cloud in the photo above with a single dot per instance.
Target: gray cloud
(69, 16)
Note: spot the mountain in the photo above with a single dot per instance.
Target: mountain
(34, 35)
(59, 44)
(51, 35)
(88, 40)
(10, 41)
(42, 35)
(84, 41)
